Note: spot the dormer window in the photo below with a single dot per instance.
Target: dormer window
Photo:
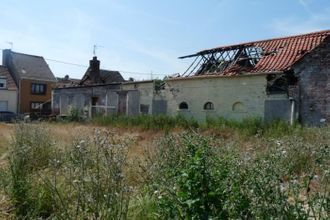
(3, 83)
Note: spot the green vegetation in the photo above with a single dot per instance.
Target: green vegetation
(158, 122)
(248, 126)
(196, 177)
(262, 171)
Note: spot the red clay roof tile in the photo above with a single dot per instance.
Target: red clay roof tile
(280, 53)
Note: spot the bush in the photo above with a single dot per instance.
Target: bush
(195, 177)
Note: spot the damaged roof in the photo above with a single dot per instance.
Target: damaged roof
(272, 55)
(106, 77)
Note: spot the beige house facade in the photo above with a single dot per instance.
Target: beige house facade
(8, 91)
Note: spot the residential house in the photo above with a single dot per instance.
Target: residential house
(105, 92)
(283, 78)
(96, 76)
(98, 92)
(8, 91)
(34, 80)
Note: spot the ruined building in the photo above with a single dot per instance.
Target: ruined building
(283, 78)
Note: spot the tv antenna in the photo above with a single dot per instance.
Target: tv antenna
(11, 44)
(95, 47)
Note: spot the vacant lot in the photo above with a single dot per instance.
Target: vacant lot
(74, 171)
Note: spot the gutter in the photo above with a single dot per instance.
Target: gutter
(223, 76)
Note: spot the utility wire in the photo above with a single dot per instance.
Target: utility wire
(124, 71)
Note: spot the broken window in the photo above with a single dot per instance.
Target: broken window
(219, 60)
(279, 83)
(144, 109)
(183, 105)
(208, 106)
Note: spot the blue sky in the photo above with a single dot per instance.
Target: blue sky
(144, 38)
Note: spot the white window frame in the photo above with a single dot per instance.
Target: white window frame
(4, 82)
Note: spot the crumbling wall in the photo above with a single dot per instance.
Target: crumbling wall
(314, 87)
(231, 97)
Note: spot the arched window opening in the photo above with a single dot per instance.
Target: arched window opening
(183, 105)
(238, 107)
(208, 106)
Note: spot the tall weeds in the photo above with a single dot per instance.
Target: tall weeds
(196, 177)
(181, 176)
(84, 181)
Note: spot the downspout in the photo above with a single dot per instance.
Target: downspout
(19, 97)
(106, 102)
(292, 112)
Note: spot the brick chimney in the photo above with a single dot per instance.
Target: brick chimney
(94, 70)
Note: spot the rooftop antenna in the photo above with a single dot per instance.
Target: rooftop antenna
(11, 44)
(95, 47)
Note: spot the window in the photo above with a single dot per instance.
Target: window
(208, 106)
(70, 99)
(38, 88)
(144, 109)
(36, 105)
(183, 105)
(3, 83)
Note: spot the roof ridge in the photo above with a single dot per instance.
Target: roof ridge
(316, 33)
(31, 55)
(294, 36)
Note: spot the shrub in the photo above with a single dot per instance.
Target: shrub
(74, 115)
(195, 177)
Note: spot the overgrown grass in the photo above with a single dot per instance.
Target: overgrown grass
(158, 122)
(84, 181)
(185, 175)
(195, 177)
(247, 126)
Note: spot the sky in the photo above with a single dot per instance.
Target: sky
(143, 39)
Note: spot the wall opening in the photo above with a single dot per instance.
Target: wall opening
(183, 105)
(208, 106)
(95, 100)
(280, 83)
(144, 109)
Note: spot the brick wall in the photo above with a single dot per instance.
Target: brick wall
(313, 72)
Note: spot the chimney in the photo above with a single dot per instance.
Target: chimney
(5, 57)
(94, 70)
